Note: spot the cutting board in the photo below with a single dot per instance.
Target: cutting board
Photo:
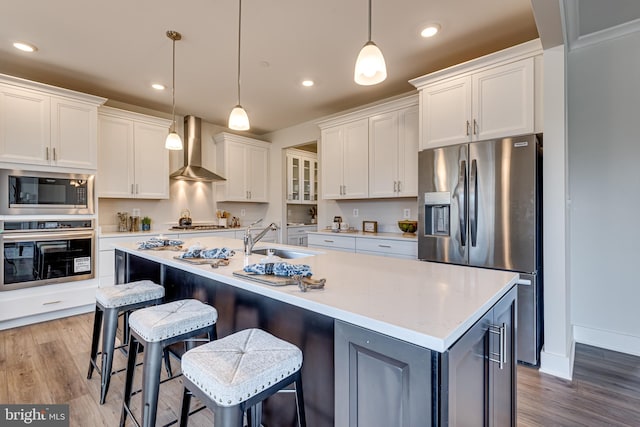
(267, 279)
(199, 261)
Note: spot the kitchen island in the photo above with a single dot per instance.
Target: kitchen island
(387, 342)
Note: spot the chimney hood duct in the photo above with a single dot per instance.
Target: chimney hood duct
(192, 169)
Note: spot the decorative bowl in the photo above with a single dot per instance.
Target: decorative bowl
(409, 227)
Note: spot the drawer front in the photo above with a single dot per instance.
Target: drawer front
(392, 247)
(332, 242)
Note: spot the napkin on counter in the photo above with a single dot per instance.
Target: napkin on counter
(279, 269)
(215, 253)
(155, 242)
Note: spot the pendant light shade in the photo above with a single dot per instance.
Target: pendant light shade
(238, 119)
(173, 141)
(370, 66)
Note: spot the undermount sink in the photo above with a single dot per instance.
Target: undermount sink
(283, 253)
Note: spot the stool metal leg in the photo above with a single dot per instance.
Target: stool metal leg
(254, 415)
(153, 356)
(186, 404)
(128, 384)
(109, 327)
(302, 421)
(228, 416)
(97, 325)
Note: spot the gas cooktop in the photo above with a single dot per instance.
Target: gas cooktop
(199, 227)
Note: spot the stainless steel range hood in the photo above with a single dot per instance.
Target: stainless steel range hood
(192, 169)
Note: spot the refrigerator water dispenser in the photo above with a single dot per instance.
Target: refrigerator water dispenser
(437, 208)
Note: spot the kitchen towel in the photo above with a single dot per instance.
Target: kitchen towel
(215, 253)
(154, 243)
(279, 269)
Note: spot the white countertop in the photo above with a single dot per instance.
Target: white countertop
(427, 304)
(362, 234)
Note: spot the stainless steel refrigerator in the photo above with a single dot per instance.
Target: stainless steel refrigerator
(480, 204)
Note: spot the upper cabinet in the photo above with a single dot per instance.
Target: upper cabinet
(371, 152)
(244, 162)
(133, 162)
(49, 127)
(302, 176)
(491, 97)
(393, 148)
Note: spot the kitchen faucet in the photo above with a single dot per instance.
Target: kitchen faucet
(250, 240)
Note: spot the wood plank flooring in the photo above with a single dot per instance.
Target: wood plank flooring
(48, 362)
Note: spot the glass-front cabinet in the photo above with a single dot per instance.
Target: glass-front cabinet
(302, 176)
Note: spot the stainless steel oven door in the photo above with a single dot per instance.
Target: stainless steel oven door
(44, 257)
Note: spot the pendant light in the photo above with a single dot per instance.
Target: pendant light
(238, 119)
(370, 66)
(173, 141)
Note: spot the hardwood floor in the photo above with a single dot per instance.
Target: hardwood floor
(47, 363)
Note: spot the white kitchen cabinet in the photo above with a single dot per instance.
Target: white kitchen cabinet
(393, 153)
(298, 235)
(494, 96)
(302, 177)
(387, 247)
(46, 126)
(244, 162)
(133, 162)
(344, 160)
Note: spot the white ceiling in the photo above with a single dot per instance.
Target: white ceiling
(117, 48)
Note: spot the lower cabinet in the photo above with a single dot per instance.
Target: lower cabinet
(383, 381)
(379, 380)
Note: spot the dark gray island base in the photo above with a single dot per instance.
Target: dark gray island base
(376, 380)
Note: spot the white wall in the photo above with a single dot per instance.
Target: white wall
(603, 100)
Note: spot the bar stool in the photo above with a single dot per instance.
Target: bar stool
(236, 373)
(156, 328)
(111, 301)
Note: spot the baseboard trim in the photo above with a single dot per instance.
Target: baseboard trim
(44, 317)
(558, 365)
(615, 341)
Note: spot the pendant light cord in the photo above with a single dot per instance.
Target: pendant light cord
(239, 33)
(369, 20)
(173, 86)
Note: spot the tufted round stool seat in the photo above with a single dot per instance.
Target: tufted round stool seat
(111, 302)
(156, 328)
(238, 372)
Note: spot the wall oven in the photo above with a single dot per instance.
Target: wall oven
(45, 193)
(43, 252)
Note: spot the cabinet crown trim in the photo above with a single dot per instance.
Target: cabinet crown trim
(368, 111)
(510, 54)
(51, 90)
(130, 115)
(225, 136)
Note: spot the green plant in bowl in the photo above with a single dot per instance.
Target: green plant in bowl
(407, 226)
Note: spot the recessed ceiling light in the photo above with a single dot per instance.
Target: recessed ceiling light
(308, 83)
(25, 47)
(158, 86)
(430, 30)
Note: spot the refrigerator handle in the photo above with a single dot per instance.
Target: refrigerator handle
(473, 202)
(462, 194)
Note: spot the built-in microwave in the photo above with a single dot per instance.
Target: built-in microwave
(43, 193)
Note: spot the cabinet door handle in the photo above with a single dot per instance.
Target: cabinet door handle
(501, 331)
(467, 127)
(329, 241)
(475, 127)
(137, 189)
(133, 189)
(55, 156)
(51, 302)
(395, 186)
(399, 186)
(47, 153)
(384, 246)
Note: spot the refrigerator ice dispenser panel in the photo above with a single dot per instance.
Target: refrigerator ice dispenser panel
(436, 213)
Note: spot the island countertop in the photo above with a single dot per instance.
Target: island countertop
(427, 304)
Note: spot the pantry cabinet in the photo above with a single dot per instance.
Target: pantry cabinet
(133, 163)
(42, 125)
(244, 162)
(393, 149)
(491, 97)
(302, 177)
